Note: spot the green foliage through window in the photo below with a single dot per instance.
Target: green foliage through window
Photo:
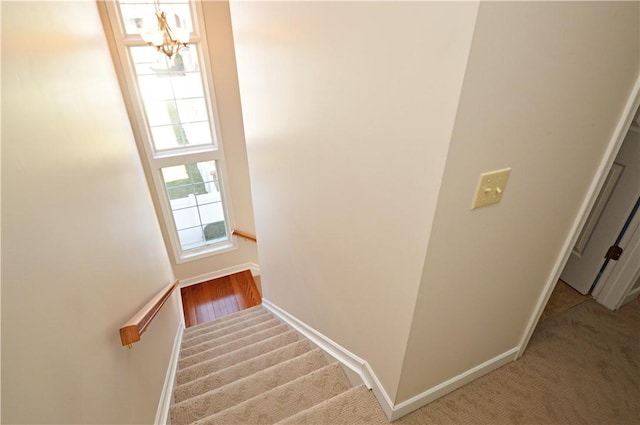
(192, 185)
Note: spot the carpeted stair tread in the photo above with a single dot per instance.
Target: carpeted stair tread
(245, 388)
(229, 359)
(225, 321)
(357, 406)
(233, 345)
(241, 370)
(285, 400)
(225, 330)
(251, 368)
(194, 349)
(229, 317)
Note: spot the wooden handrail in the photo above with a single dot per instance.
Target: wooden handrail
(130, 332)
(244, 235)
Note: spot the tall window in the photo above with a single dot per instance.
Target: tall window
(173, 115)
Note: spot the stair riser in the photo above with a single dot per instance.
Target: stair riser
(241, 370)
(230, 317)
(285, 400)
(205, 328)
(357, 406)
(243, 389)
(195, 349)
(224, 331)
(231, 346)
(210, 366)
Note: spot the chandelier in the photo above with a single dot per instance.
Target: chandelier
(163, 38)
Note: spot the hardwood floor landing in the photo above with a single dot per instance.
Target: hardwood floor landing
(216, 298)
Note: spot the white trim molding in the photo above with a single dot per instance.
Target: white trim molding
(453, 384)
(255, 271)
(385, 401)
(344, 356)
(338, 352)
(368, 376)
(162, 414)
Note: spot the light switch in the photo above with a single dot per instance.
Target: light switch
(490, 188)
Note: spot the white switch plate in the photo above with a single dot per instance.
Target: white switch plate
(490, 188)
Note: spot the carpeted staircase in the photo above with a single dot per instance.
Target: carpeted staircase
(251, 368)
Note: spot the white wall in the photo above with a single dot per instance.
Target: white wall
(348, 111)
(82, 250)
(545, 86)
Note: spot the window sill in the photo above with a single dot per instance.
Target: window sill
(207, 251)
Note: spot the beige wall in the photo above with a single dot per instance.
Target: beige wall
(348, 111)
(81, 248)
(544, 88)
(348, 114)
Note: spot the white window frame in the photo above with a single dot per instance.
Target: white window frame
(158, 159)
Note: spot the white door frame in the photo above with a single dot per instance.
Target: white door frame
(594, 189)
(614, 287)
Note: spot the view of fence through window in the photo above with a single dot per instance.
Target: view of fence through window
(196, 204)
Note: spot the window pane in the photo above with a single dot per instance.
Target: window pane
(173, 109)
(159, 112)
(191, 110)
(188, 86)
(186, 218)
(196, 203)
(211, 213)
(215, 231)
(140, 15)
(173, 97)
(146, 59)
(168, 136)
(137, 16)
(191, 238)
(152, 89)
(197, 133)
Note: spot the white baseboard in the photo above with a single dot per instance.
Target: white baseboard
(368, 376)
(338, 352)
(378, 390)
(162, 414)
(334, 349)
(452, 384)
(255, 271)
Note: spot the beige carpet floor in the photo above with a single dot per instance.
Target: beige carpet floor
(563, 298)
(581, 367)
